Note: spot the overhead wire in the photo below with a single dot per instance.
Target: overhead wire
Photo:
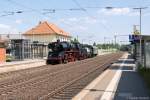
(21, 5)
(47, 11)
(44, 13)
(93, 17)
(69, 9)
(31, 9)
(7, 13)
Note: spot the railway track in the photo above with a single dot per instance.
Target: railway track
(42, 83)
(34, 72)
(59, 90)
(6, 86)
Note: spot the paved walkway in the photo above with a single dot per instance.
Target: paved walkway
(103, 53)
(19, 65)
(119, 82)
(20, 62)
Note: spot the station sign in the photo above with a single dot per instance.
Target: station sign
(134, 38)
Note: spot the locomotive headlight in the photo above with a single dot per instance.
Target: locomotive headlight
(50, 50)
(50, 55)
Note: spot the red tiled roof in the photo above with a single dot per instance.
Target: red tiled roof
(46, 28)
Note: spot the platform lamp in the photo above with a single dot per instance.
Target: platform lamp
(33, 48)
(140, 11)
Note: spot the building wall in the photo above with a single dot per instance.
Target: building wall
(46, 38)
(63, 38)
(41, 38)
(147, 54)
(137, 50)
(2, 55)
(24, 49)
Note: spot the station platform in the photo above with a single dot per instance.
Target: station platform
(120, 82)
(19, 65)
(19, 62)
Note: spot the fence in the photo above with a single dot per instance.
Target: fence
(27, 50)
(21, 48)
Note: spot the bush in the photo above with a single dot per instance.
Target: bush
(9, 58)
(145, 72)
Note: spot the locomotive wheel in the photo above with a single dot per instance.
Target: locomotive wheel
(60, 61)
(47, 62)
(65, 61)
(75, 59)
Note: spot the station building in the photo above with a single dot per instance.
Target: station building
(33, 43)
(144, 57)
(46, 32)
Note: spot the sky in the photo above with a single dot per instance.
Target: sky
(89, 20)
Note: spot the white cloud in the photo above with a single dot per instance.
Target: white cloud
(74, 24)
(80, 28)
(146, 14)
(133, 14)
(4, 26)
(45, 18)
(103, 21)
(5, 29)
(78, 24)
(18, 21)
(73, 19)
(81, 24)
(90, 20)
(115, 11)
(81, 20)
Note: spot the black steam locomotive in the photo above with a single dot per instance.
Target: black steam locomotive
(63, 52)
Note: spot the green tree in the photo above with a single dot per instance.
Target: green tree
(75, 40)
(94, 44)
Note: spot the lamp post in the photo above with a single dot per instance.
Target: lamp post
(33, 46)
(106, 42)
(140, 11)
(33, 35)
(116, 38)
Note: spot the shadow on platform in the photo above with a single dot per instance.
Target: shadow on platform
(131, 85)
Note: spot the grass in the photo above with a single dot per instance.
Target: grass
(145, 73)
(9, 58)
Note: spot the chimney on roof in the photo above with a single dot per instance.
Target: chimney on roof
(40, 22)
